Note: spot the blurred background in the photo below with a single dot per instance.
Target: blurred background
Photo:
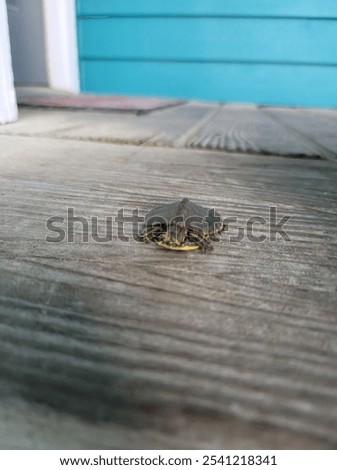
(268, 52)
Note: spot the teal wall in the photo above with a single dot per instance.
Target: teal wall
(264, 51)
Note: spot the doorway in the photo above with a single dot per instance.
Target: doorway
(26, 30)
(43, 39)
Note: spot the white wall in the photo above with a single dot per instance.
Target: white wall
(8, 107)
(61, 44)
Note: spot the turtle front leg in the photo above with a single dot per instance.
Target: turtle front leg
(203, 243)
(149, 234)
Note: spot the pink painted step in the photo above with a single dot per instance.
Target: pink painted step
(122, 103)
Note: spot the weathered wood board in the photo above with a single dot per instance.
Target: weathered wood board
(137, 347)
(162, 127)
(234, 128)
(318, 126)
(247, 129)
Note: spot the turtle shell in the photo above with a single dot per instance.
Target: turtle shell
(207, 220)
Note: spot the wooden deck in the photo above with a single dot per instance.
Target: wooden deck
(125, 345)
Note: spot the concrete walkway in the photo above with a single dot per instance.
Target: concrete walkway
(120, 344)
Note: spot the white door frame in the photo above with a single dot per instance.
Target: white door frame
(8, 106)
(61, 45)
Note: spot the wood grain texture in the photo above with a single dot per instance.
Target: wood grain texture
(169, 127)
(318, 126)
(164, 127)
(237, 349)
(234, 128)
(247, 129)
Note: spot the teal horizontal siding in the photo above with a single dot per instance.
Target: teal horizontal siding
(263, 51)
(204, 39)
(278, 8)
(270, 84)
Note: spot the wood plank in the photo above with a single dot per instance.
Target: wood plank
(108, 127)
(247, 129)
(264, 83)
(125, 335)
(238, 128)
(300, 8)
(317, 125)
(212, 39)
(19, 424)
(163, 127)
(170, 126)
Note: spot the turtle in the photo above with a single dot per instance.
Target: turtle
(182, 226)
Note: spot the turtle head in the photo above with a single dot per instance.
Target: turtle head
(175, 234)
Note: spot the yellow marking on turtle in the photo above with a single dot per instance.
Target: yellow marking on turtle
(177, 247)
